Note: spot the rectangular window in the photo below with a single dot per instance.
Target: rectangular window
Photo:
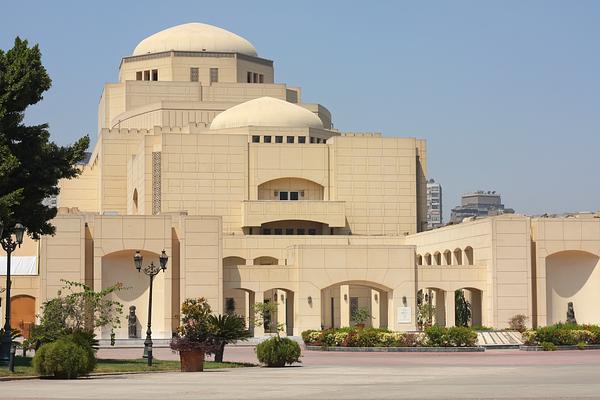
(249, 77)
(300, 231)
(289, 231)
(138, 76)
(278, 231)
(278, 139)
(266, 231)
(283, 195)
(312, 139)
(312, 231)
(147, 75)
(214, 75)
(154, 74)
(318, 140)
(290, 139)
(293, 195)
(267, 139)
(301, 139)
(261, 78)
(255, 139)
(324, 140)
(194, 75)
(255, 78)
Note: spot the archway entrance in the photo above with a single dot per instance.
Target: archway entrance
(341, 302)
(573, 276)
(283, 316)
(468, 307)
(22, 314)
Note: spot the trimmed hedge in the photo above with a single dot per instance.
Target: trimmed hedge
(277, 352)
(372, 337)
(563, 335)
(63, 359)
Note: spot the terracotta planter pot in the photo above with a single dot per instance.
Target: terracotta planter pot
(192, 361)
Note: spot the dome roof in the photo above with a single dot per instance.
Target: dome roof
(195, 37)
(266, 111)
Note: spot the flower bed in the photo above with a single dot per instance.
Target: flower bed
(383, 338)
(563, 335)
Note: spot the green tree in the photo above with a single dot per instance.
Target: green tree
(77, 309)
(463, 308)
(226, 329)
(30, 164)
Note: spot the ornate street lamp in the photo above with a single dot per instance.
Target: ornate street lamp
(9, 245)
(151, 271)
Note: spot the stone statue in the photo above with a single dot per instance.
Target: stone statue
(132, 323)
(571, 314)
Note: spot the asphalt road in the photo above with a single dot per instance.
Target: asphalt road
(490, 375)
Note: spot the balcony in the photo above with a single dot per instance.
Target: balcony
(258, 212)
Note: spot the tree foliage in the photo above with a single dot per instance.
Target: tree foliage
(77, 308)
(226, 329)
(30, 164)
(463, 308)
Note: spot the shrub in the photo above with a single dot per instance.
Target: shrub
(63, 359)
(581, 345)
(456, 336)
(410, 340)
(277, 352)
(312, 337)
(529, 337)
(518, 323)
(482, 328)
(548, 346)
(369, 337)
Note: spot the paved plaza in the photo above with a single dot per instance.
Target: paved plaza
(494, 374)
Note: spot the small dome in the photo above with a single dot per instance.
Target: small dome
(266, 111)
(195, 37)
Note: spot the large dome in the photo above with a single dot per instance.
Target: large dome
(266, 111)
(195, 37)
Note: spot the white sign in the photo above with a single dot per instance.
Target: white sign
(404, 315)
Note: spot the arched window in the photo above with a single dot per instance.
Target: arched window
(265, 260)
(427, 259)
(458, 257)
(469, 255)
(447, 257)
(437, 258)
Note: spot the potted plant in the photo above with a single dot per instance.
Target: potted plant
(193, 338)
(359, 317)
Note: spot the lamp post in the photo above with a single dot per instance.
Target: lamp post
(151, 271)
(9, 245)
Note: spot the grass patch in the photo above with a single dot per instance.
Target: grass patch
(23, 366)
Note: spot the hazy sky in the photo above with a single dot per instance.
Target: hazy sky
(506, 93)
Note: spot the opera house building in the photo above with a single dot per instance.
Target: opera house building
(256, 197)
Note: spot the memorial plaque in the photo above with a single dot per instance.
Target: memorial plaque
(404, 315)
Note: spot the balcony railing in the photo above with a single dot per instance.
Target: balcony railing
(258, 212)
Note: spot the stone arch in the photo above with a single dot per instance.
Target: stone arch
(457, 257)
(22, 313)
(265, 260)
(474, 296)
(468, 255)
(572, 276)
(427, 259)
(419, 259)
(447, 257)
(307, 189)
(437, 258)
(339, 299)
(118, 267)
(284, 298)
(231, 261)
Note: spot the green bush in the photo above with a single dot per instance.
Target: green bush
(312, 337)
(548, 346)
(563, 335)
(277, 352)
(456, 336)
(368, 337)
(482, 328)
(63, 359)
(581, 345)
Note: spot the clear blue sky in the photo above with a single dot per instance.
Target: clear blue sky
(506, 93)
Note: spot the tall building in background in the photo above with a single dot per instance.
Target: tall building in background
(434, 204)
(479, 204)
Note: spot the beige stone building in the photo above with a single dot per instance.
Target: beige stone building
(256, 197)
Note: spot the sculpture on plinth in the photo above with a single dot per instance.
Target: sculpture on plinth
(571, 314)
(132, 323)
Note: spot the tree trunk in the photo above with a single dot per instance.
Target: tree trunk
(219, 352)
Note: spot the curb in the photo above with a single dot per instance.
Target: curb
(563, 347)
(399, 349)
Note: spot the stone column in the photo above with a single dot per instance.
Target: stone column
(375, 308)
(256, 297)
(344, 306)
(439, 303)
(450, 307)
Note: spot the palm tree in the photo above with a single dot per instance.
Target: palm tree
(225, 329)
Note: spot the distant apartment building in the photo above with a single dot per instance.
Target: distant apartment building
(434, 204)
(479, 204)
